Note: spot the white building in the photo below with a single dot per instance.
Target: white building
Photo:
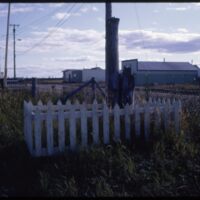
(84, 75)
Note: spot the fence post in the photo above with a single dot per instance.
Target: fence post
(38, 138)
(137, 121)
(127, 121)
(49, 128)
(84, 128)
(28, 130)
(61, 127)
(72, 126)
(106, 137)
(117, 122)
(34, 87)
(95, 122)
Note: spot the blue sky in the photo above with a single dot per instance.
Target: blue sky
(59, 36)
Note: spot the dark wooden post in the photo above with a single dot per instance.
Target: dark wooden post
(34, 87)
(112, 57)
(108, 16)
(113, 61)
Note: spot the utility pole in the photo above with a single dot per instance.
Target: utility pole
(6, 49)
(14, 52)
(108, 15)
(112, 56)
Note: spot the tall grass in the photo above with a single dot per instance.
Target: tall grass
(168, 166)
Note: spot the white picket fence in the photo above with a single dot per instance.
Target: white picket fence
(40, 120)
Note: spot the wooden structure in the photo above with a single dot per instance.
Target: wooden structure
(112, 56)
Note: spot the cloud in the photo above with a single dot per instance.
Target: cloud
(61, 15)
(154, 23)
(94, 8)
(100, 19)
(22, 8)
(72, 35)
(56, 5)
(72, 59)
(181, 8)
(92, 41)
(63, 39)
(183, 30)
(86, 9)
(196, 4)
(181, 42)
(83, 10)
(16, 10)
(156, 11)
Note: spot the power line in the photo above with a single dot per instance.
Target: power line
(22, 29)
(139, 25)
(65, 20)
(59, 24)
(39, 20)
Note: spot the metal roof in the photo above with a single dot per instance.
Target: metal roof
(166, 66)
(94, 68)
(71, 70)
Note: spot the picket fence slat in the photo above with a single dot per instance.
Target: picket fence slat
(38, 139)
(117, 122)
(49, 127)
(127, 121)
(106, 138)
(95, 123)
(34, 115)
(61, 127)
(84, 128)
(137, 121)
(72, 122)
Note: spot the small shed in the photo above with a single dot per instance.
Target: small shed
(84, 75)
(96, 72)
(153, 73)
(72, 75)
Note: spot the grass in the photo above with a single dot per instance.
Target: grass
(168, 166)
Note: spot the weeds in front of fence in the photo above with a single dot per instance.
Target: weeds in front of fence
(167, 166)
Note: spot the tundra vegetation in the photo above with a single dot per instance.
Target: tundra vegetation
(167, 166)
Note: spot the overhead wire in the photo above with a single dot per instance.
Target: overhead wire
(58, 24)
(40, 20)
(140, 29)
